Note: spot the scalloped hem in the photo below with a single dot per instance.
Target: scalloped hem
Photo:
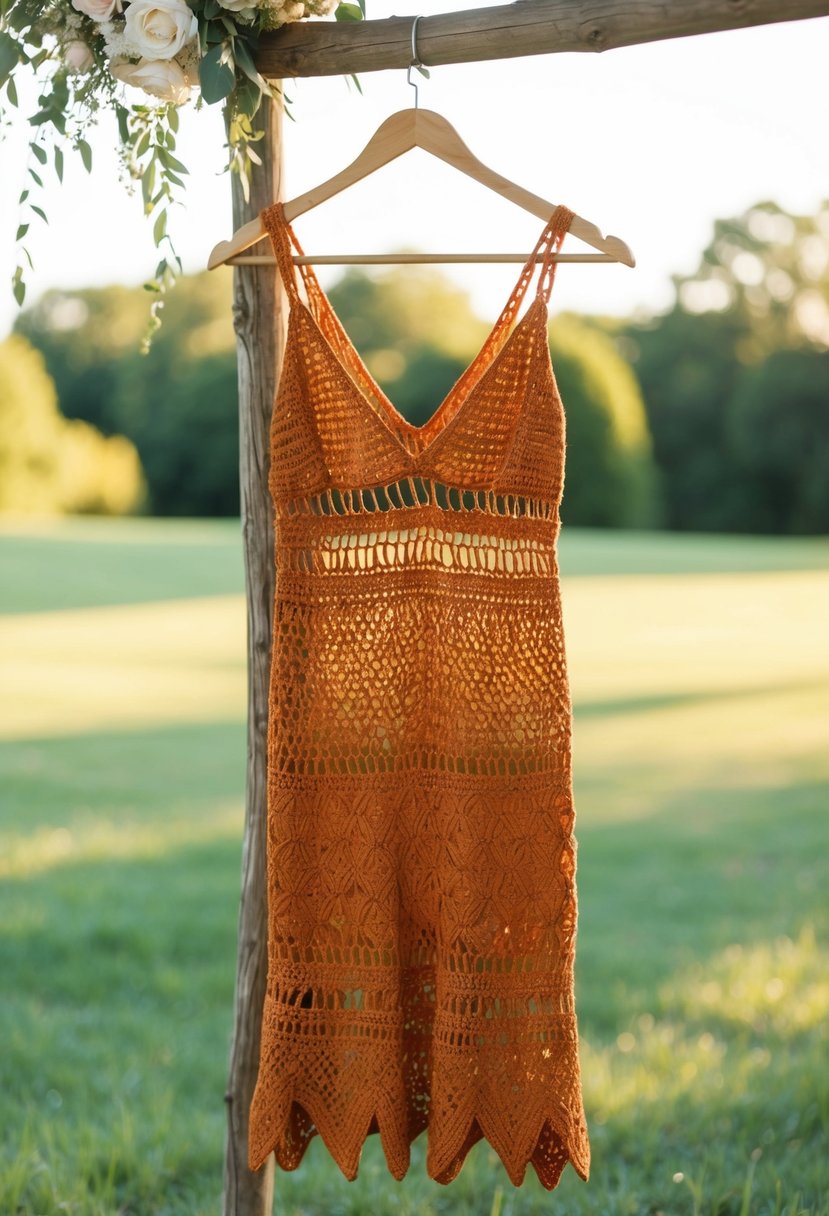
(549, 1150)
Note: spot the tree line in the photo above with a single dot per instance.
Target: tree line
(712, 416)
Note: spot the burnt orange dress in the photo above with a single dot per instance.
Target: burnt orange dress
(421, 851)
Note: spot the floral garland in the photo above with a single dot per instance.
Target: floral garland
(82, 52)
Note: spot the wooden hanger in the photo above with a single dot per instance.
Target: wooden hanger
(402, 131)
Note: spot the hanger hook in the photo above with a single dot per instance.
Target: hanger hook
(416, 62)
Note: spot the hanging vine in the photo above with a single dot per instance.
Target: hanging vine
(85, 54)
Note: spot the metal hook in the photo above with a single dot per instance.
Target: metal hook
(416, 63)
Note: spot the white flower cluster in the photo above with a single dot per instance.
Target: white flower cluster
(156, 46)
(294, 10)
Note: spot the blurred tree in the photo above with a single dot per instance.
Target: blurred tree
(184, 420)
(416, 333)
(178, 404)
(768, 271)
(687, 368)
(778, 425)
(47, 463)
(762, 285)
(87, 335)
(611, 479)
(414, 330)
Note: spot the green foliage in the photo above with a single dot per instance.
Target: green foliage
(49, 464)
(415, 331)
(220, 56)
(610, 477)
(778, 426)
(687, 369)
(188, 435)
(769, 272)
(762, 286)
(178, 403)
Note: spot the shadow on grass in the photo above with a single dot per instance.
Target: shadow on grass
(159, 774)
(111, 562)
(623, 706)
(585, 552)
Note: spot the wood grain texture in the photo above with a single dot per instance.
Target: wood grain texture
(259, 319)
(504, 31)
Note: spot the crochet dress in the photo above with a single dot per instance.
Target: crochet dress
(421, 852)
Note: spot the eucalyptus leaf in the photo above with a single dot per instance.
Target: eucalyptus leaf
(11, 93)
(58, 162)
(9, 55)
(171, 162)
(123, 123)
(40, 153)
(147, 183)
(216, 75)
(41, 213)
(60, 93)
(245, 62)
(86, 154)
(348, 12)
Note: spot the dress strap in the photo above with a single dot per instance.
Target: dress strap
(283, 238)
(551, 240)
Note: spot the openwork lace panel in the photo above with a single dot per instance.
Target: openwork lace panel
(421, 852)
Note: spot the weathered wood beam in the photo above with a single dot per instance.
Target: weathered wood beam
(528, 27)
(259, 319)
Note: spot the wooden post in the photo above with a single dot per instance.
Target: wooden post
(259, 319)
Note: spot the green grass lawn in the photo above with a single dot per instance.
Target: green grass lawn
(699, 668)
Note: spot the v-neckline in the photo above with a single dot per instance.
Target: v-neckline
(366, 388)
(389, 415)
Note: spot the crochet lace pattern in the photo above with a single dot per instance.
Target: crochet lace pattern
(421, 852)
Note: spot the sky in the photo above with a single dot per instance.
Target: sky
(651, 143)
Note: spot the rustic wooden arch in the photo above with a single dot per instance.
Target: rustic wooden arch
(528, 27)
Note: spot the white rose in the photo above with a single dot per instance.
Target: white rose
(78, 56)
(236, 6)
(158, 29)
(98, 10)
(163, 78)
